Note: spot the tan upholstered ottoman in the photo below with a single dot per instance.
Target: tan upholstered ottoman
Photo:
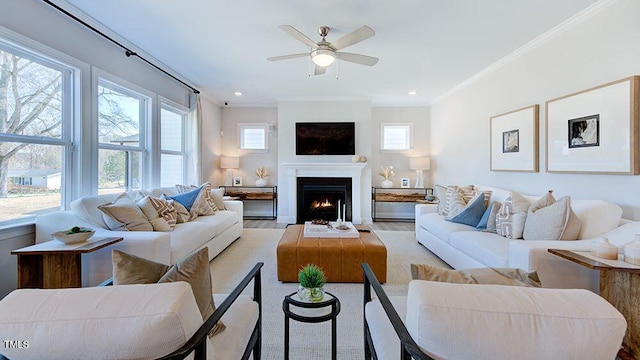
(339, 257)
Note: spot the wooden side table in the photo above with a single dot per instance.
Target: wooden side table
(54, 265)
(620, 286)
(396, 195)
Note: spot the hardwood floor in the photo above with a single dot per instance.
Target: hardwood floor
(378, 225)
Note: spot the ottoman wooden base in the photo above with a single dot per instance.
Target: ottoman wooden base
(339, 257)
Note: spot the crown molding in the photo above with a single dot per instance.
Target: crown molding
(568, 24)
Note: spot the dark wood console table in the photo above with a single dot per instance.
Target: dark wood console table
(54, 265)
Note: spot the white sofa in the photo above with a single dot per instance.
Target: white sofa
(462, 246)
(216, 232)
(142, 321)
(438, 320)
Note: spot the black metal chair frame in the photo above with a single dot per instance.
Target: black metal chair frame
(197, 344)
(408, 347)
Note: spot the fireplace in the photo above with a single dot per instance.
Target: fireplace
(318, 198)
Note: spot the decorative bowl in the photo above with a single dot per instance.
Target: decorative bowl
(430, 198)
(74, 238)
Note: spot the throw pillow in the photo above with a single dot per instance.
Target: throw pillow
(441, 193)
(161, 215)
(491, 221)
(124, 214)
(456, 196)
(497, 276)
(187, 198)
(217, 196)
(512, 216)
(552, 220)
(182, 214)
(482, 224)
(204, 204)
(194, 269)
(471, 213)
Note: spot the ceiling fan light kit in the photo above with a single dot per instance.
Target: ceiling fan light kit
(324, 53)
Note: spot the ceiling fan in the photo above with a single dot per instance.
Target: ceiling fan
(324, 53)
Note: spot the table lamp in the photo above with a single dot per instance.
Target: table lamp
(229, 163)
(419, 164)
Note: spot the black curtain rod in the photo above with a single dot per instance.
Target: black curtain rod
(128, 52)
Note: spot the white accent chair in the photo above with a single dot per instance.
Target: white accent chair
(470, 321)
(145, 321)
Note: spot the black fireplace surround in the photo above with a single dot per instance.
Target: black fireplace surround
(318, 198)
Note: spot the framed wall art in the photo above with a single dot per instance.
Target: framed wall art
(595, 130)
(514, 140)
(237, 181)
(404, 183)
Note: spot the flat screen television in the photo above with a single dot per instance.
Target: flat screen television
(326, 138)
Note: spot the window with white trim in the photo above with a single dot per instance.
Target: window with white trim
(395, 136)
(122, 119)
(252, 136)
(36, 123)
(173, 156)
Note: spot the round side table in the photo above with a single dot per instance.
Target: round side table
(310, 312)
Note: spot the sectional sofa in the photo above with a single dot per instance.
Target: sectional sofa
(216, 232)
(462, 246)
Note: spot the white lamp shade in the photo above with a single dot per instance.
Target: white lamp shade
(228, 162)
(420, 163)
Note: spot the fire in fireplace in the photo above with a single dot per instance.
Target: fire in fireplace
(318, 198)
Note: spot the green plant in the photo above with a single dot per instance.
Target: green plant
(312, 276)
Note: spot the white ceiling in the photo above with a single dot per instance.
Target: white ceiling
(427, 46)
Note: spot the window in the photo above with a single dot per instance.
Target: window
(36, 118)
(172, 145)
(252, 136)
(396, 136)
(122, 118)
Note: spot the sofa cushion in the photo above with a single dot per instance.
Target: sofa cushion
(441, 228)
(194, 269)
(240, 319)
(548, 219)
(124, 214)
(463, 321)
(490, 249)
(471, 213)
(86, 208)
(512, 215)
(496, 276)
(92, 323)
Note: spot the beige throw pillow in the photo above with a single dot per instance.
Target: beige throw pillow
(552, 220)
(217, 196)
(204, 204)
(498, 276)
(124, 214)
(161, 214)
(194, 269)
(512, 215)
(456, 197)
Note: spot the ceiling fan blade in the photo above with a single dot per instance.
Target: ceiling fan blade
(286, 57)
(357, 58)
(353, 37)
(298, 35)
(319, 70)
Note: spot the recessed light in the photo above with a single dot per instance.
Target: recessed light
(412, 92)
(238, 93)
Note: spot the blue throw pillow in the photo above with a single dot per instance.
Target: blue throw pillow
(482, 224)
(472, 213)
(187, 198)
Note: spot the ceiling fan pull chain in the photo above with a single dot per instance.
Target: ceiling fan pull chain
(337, 71)
(309, 66)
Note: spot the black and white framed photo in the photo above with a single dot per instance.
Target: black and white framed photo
(514, 140)
(237, 181)
(511, 141)
(404, 182)
(595, 131)
(584, 131)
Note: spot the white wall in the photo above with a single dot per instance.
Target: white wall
(211, 142)
(598, 50)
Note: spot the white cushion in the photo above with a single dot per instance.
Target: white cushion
(596, 216)
(438, 226)
(384, 338)
(123, 322)
(86, 208)
(240, 320)
(188, 237)
(469, 321)
(490, 249)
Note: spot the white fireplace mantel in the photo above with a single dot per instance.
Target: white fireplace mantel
(321, 169)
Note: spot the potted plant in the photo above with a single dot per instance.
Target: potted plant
(262, 173)
(312, 280)
(387, 173)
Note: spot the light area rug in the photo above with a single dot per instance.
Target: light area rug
(307, 340)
